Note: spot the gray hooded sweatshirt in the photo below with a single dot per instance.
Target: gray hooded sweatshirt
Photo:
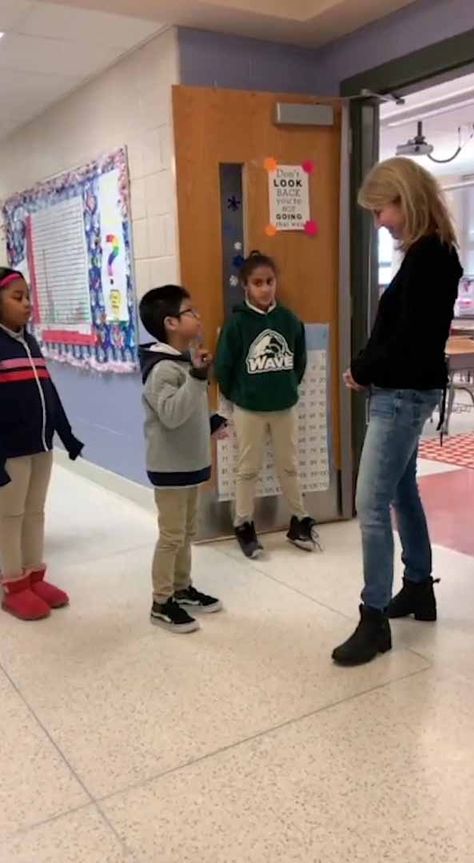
(177, 427)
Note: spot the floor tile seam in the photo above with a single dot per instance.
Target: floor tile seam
(208, 756)
(313, 599)
(114, 830)
(35, 825)
(91, 804)
(130, 855)
(87, 560)
(47, 734)
(330, 608)
(419, 655)
(292, 588)
(228, 556)
(91, 799)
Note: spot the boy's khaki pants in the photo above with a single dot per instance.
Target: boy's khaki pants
(251, 430)
(22, 504)
(177, 522)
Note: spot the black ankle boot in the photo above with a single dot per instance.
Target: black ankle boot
(416, 598)
(371, 637)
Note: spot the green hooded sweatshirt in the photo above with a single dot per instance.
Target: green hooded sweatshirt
(261, 358)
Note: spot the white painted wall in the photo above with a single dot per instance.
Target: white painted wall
(128, 104)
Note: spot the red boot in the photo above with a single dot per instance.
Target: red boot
(49, 593)
(20, 600)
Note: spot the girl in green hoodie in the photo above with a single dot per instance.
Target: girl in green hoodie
(261, 360)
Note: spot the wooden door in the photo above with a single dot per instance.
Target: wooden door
(214, 127)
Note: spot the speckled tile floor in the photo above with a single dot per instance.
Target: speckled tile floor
(241, 743)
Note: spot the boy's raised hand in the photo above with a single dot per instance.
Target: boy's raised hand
(202, 359)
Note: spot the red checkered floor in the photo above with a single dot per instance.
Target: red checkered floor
(458, 450)
(449, 502)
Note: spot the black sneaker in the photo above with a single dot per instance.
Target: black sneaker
(192, 598)
(248, 541)
(172, 617)
(304, 533)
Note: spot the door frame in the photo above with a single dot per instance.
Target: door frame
(450, 58)
(330, 262)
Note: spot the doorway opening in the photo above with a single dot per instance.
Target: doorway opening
(444, 64)
(435, 127)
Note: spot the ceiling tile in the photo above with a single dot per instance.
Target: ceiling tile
(53, 56)
(58, 22)
(52, 46)
(12, 13)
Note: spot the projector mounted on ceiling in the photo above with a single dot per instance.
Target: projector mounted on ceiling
(417, 146)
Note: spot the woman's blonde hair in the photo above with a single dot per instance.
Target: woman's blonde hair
(402, 181)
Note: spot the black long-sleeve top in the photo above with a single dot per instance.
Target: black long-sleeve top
(406, 349)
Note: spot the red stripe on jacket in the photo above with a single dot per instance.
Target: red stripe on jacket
(22, 363)
(26, 375)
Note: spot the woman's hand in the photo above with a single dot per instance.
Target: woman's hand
(351, 383)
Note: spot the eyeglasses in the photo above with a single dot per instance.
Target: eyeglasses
(189, 311)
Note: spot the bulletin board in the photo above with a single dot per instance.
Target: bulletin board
(71, 238)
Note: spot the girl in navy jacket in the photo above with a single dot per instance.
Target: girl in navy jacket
(30, 414)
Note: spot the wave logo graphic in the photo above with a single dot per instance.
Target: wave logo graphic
(269, 352)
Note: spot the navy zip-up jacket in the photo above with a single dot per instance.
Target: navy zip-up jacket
(30, 408)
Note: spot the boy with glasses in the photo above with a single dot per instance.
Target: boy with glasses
(177, 433)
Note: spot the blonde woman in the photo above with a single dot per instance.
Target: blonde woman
(403, 367)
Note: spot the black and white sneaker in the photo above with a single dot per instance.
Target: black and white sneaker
(304, 533)
(192, 598)
(248, 540)
(172, 617)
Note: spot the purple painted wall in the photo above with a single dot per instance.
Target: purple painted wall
(105, 412)
(212, 59)
(418, 25)
(217, 60)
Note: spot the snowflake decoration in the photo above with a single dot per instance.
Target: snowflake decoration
(233, 203)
